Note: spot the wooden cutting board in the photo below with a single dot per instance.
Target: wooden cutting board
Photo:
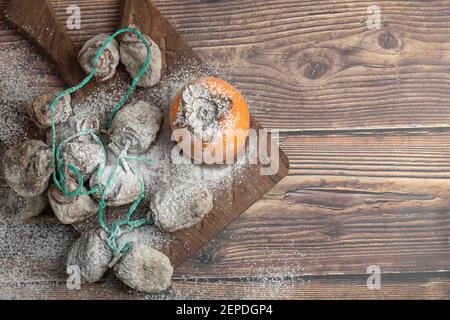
(35, 19)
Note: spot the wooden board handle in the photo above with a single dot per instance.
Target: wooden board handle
(138, 13)
(37, 21)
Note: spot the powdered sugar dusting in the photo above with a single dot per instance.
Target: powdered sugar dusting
(203, 113)
(17, 82)
(161, 171)
(263, 282)
(45, 240)
(14, 128)
(17, 86)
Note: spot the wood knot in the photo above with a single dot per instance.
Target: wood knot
(387, 41)
(315, 70)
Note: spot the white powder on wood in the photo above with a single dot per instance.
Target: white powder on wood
(43, 239)
(18, 84)
(161, 171)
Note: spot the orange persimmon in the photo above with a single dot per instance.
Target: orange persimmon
(215, 115)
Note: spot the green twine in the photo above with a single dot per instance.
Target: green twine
(62, 168)
(115, 230)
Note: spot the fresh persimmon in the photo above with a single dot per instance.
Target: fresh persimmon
(214, 116)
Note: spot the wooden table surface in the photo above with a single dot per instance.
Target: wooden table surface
(364, 117)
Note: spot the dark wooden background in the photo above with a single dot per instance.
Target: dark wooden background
(365, 120)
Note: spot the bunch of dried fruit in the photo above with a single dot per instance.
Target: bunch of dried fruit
(143, 268)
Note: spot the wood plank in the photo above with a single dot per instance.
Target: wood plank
(350, 200)
(314, 226)
(308, 225)
(326, 225)
(259, 45)
(245, 186)
(360, 193)
(37, 21)
(393, 286)
(309, 65)
(414, 153)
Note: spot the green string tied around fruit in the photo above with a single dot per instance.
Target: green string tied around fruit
(62, 168)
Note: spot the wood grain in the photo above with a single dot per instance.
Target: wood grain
(368, 142)
(144, 15)
(364, 86)
(328, 225)
(400, 154)
(394, 286)
(316, 66)
(300, 240)
(36, 20)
